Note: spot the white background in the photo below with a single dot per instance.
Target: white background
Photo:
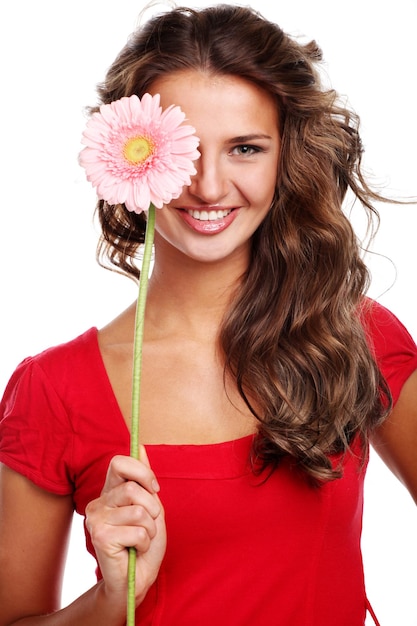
(52, 55)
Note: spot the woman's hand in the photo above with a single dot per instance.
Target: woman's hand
(128, 514)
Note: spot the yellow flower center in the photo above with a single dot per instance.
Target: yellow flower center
(137, 149)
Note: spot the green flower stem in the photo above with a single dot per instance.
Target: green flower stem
(137, 370)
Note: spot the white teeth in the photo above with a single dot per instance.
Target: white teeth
(205, 216)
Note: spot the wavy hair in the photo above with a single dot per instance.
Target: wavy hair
(292, 337)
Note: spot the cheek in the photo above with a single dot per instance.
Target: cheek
(261, 189)
(169, 227)
(162, 222)
(270, 179)
(260, 183)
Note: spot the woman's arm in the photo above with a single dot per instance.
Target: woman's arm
(396, 440)
(34, 532)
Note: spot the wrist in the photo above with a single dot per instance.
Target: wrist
(114, 605)
(110, 604)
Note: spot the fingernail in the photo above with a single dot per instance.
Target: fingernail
(155, 485)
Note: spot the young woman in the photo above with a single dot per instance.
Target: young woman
(266, 370)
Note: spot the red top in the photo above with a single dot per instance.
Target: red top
(242, 550)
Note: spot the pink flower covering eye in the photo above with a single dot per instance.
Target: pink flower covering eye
(136, 154)
(140, 156)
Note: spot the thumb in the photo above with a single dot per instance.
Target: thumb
(143, 456)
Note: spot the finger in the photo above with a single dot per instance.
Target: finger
(126, 468)
(136, 516)
(129, 494)
(112, 541)
(143, 456)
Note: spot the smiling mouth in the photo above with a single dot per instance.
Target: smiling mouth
(209, 216)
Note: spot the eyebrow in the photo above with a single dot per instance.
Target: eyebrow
(248, 138)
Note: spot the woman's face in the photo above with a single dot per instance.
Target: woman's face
(231, 193)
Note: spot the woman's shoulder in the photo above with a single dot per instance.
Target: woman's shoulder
(385, 332)
(393, 346)
(73, 354)
(74, 360)
(39, 411)
(75, 348)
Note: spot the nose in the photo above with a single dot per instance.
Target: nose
(210, 183)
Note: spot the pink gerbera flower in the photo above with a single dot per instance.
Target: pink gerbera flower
(136, 154)
(139, 156)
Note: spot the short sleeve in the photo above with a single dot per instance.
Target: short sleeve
(35, 433)
(394, 348)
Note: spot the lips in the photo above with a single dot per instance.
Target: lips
(208, 221)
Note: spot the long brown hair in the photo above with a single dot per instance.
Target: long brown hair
(293, 338)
